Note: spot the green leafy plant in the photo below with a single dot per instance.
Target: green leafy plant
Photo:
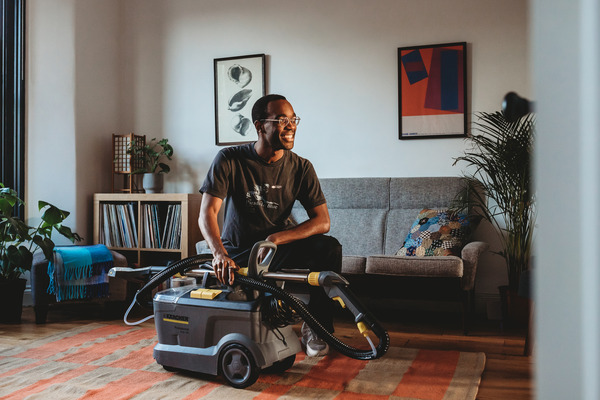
(152, 154)
(499, 189)
(19, 241)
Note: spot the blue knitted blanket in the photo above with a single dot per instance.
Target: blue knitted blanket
(79, 272)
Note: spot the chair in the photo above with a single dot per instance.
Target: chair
(40, 282)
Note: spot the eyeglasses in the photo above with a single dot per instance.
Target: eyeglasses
(284, 121)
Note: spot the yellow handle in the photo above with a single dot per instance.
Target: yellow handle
(339, 299)
(207, 294)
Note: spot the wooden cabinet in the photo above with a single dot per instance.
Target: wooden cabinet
(148, 229)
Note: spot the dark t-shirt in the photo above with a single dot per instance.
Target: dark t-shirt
(260, 196)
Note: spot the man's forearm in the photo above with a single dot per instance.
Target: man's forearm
(298, 232)
(209, 224)
(318, 223)
(212, 234)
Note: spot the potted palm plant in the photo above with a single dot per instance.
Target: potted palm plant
(499, 188)
(153, 155)
(18, 243)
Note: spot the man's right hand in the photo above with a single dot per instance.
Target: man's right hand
(224, 268)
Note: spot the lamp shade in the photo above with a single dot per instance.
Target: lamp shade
(515, 106)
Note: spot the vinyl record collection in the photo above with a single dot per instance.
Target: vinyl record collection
(160, 225)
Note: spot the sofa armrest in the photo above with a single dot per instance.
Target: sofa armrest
(119, 260)
(470, 255)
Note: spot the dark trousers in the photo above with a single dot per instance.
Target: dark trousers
(315, 253)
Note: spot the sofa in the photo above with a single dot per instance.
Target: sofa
(371, 218)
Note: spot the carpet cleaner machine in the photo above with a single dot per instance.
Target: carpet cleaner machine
(238, 331)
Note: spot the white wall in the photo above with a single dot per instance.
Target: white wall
(50, 105)
(72, 104)
(567, 306)
(336, 61)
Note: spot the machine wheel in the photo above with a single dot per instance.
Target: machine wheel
(238, 367)
(283, 365)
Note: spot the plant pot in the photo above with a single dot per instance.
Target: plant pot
(515, 308)
(153, 183)
(137, 183)
(11, 299)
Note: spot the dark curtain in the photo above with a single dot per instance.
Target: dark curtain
(13, 96)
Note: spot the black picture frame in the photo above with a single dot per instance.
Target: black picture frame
(239, 82)
(432, 91)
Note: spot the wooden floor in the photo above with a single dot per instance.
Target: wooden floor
(508, 374)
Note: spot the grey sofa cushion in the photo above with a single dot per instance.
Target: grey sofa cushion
(354, 264)
(420, 193)
(359, 231)
(358, 208)
(398, 225)
(356, 192)
(447, 266)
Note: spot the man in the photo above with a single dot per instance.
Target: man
(261, 181)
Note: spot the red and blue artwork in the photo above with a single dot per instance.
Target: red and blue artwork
(432, 83)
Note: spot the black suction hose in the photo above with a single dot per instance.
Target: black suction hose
(352, 352)
(143, 298)
(318, 328)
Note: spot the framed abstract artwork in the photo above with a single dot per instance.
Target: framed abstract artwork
(239, 82)
(432, 93)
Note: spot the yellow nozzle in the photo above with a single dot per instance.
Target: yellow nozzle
(363, 329)
(243, 271)
(313, 278)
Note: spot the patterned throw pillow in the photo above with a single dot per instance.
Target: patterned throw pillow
(436, 233)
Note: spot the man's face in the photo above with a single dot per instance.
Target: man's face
(279, 137)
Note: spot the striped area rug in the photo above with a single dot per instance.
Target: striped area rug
(112, 362)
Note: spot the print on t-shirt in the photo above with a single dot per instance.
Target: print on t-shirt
(258, 196)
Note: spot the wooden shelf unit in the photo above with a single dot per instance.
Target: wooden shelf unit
(145, 256)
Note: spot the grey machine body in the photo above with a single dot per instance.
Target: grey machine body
(193, 332)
